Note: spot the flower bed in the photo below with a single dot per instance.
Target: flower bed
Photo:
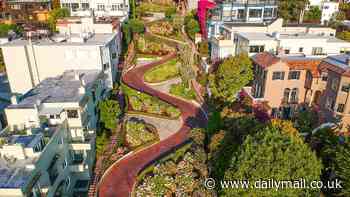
(163, 72)
(182, 90)
(147, 45)
(182, 172)
(153, 7)
(139, 133)
(167, 29)
(145, 103)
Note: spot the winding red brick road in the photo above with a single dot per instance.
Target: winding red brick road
(120, 179)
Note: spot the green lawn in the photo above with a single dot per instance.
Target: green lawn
(183, 91)
(163, 72)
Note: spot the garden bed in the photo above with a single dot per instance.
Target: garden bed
(142, 102)
(139, 134)
(182, 90)
(153, 7)
(163, 72)
(181, 172)
(167, 29)
(151, 46)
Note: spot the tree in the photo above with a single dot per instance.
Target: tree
(292, 10)
(56, 14)
(306, 121)
(203, 48)
(272, 154)
(314, 14)
(6, 28)
(342, 168)
(109, 113)
(191, 25)
(232, 75)
(186, 57)
(169, 12)
(136, 26)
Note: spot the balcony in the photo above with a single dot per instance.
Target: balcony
(85, 142)
(252, 2)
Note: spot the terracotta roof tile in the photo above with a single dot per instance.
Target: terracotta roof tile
(307, 64)
(265, 59)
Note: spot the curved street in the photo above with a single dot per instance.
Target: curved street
(120, 179)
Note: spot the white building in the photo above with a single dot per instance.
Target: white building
(49, 145)
(99, 8)
(225, 44)
(329, 8)
(290, 44)
(84, 45)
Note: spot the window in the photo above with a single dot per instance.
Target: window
(278, 76)
(340, 108)
(345, 88)
(317, 51)
(294, 95)
(72, 113)
(294, 75)
(75, 6)
(115, 7)
(64, 164)
(256, 48)
(52, 116)
(268, 12)
(324, 76)
(286, 51)
(334, 84)
(66, 5)
(67, 183)
(105, 66)
(330, 103)
(100, 7)
(301, 49)
(344, 50)
(255, 13)
(286, 95)
(114, 55)
(85, 6)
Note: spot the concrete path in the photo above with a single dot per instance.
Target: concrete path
(165, 85)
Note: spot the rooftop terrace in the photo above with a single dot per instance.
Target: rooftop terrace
(62, 89)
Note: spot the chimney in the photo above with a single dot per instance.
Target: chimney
(14, 100)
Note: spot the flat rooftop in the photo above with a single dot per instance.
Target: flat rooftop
(63, 40)
(27, 141)
(286, 36)
(62, 89)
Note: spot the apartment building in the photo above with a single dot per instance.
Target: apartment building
(82, 45)
(49, 146)
(334, 98)
(290, 44)
(224, 40)
(99, 8)
(328, 8)
(242, 11)
(285, 82)
(23, 11)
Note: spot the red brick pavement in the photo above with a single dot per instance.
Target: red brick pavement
(120, 179)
